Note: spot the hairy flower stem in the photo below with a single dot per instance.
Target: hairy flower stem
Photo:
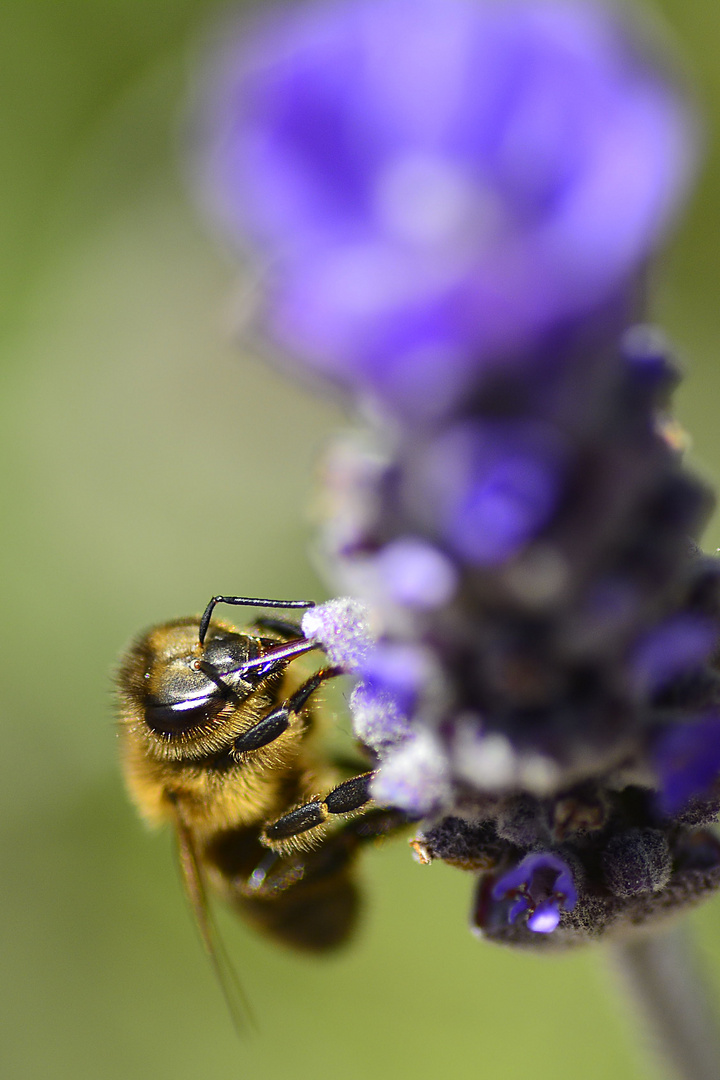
(671, 998)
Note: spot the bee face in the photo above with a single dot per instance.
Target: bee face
(185, 697)
(188, 686)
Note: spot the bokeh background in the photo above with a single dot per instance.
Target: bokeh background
(149, 461)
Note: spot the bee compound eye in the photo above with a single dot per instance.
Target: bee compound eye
(189, 691)
(226, 652)
(185, 697)
(176, 717)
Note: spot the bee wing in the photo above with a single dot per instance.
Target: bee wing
(196, 893)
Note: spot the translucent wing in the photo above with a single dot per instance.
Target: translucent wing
(197, 895)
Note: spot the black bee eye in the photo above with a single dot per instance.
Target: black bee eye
(190, 691)
(225, 653)
(173, 718)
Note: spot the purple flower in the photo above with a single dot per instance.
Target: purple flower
(542, 886)
(682, 644)
(439, 183)
(402, 671)
(491, 487)
(415, 574)
(687, 761)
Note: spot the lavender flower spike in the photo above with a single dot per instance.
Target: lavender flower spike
(455, 202)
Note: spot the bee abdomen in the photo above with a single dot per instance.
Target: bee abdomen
(314, 917)
(307, 900)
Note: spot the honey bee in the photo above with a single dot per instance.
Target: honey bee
(221, 737)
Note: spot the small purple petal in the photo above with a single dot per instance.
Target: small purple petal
(687, 761)
(544, 918)
(516, 878)
(521, 905)
(415, 574)
(677, 647)
(503, 510)
(399, 670)
(543, 884)
(495, 486)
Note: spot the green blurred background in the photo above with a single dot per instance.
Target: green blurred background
(132, 427)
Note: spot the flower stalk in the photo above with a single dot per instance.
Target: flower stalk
(668, 992)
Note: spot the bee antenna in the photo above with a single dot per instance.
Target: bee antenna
(246, 601)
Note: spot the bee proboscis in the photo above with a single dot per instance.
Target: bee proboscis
(221, 737)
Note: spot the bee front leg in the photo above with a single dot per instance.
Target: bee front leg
(276, 722)
(350, 795)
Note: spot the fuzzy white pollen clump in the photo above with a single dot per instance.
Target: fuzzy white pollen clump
(415, 777)
(377, 719)
(342, 627)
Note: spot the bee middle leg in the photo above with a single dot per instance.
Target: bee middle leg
(276, 722)
(351, 795)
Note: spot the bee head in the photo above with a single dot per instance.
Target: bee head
(179, 688)
(187, 685)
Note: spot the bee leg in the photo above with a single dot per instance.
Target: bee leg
(350, 795)
(309, 899)
(276, 722)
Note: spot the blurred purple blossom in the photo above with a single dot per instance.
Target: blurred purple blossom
(687, 761)
(493, 487)
(678, 646)
(415, 574)
(437, 186)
